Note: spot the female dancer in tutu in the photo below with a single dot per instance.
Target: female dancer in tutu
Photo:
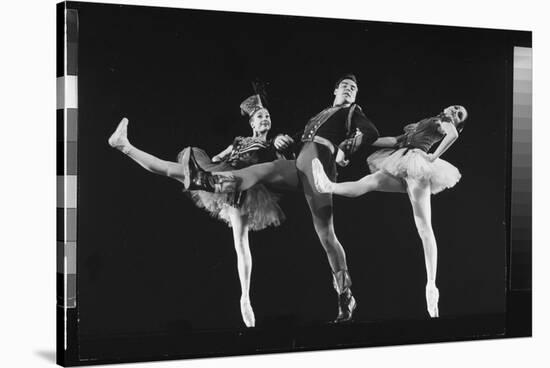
(253, 209)
(408, 167)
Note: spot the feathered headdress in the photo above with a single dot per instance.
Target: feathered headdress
(254, 102)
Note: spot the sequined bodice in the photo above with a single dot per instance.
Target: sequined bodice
(248, 151)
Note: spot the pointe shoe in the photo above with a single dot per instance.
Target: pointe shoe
(247, 313)
(346, 301)
(320, 178)
(119, 139)
(432, 300)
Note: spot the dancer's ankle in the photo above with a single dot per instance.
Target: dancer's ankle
(125, 148)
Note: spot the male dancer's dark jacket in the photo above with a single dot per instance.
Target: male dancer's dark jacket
(345, 127)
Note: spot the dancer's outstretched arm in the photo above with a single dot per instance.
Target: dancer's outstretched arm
(385, 142)
(223, 154)
(451, 135)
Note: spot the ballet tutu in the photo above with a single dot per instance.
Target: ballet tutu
(258, 203)
(413, 163)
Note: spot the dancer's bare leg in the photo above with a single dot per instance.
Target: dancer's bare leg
(119, 140)
(419, 195)
(379, 181)
(239, 225)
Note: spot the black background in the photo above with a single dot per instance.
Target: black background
(150, 261)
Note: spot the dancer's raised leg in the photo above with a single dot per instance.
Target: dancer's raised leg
(379, 181)
(279, 174)
(119, 140)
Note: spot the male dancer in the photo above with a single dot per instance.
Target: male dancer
(330, 136)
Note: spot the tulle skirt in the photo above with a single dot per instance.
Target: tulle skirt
(258, 203)
(413, 163)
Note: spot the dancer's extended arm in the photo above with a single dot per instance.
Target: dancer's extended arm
(385, 142)
(223, 154)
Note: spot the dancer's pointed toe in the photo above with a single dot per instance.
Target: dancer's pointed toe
(322, 182)
(432, 300)
(247, 313)
(119, 138)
